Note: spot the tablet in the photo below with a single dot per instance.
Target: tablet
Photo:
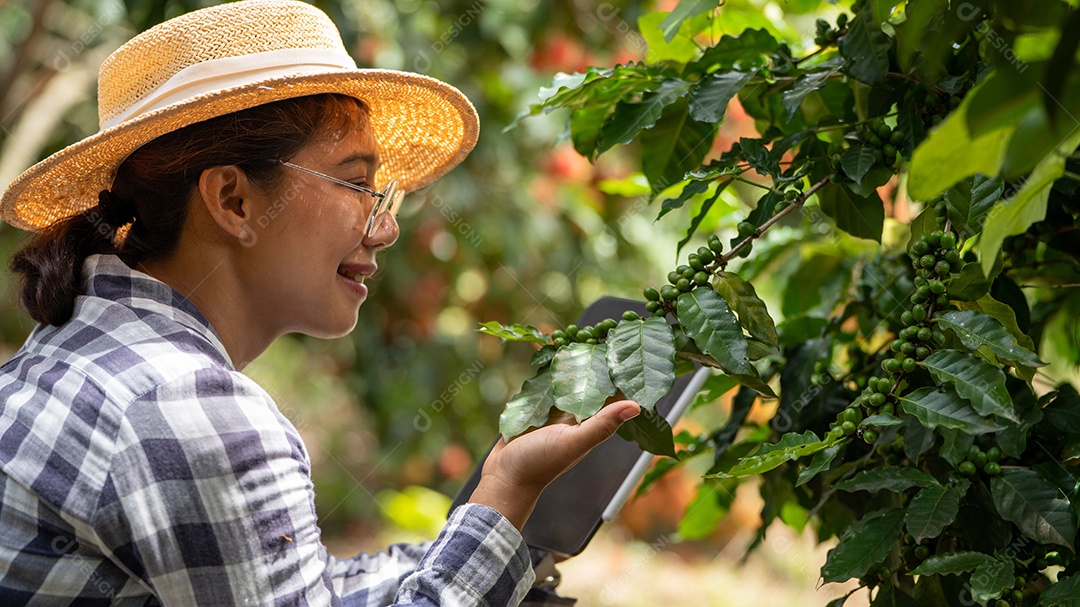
(571, 508)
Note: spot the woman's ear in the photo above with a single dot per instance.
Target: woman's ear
(227, 195)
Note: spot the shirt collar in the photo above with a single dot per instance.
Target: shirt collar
(107, 277)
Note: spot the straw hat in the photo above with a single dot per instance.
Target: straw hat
(227, 58)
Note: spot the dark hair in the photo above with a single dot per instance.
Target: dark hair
(153, 186)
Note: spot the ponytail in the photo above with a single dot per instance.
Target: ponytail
(51, 265)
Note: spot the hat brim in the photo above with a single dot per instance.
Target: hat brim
(423, 126)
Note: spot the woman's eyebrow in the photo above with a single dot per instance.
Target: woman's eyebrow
(366, 157)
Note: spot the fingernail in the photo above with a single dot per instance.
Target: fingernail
(629, 413)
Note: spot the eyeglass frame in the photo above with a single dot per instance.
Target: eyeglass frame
(388, 193)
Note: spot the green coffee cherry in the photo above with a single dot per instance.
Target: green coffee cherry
(848, 428)
(715, 244)
(918, 312)
(706, 254)
(870, 436)
(669, 292)
(683, 284)
(966, 468)
(909, 365)
(746, 228)
(652, 306)
(924, 334)
(701, 278)
(652, 294)
(993, 454)
(992, 468)
(695, 262)
(673, 277)
(942, 268)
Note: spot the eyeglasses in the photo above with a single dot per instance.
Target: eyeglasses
(386, 202)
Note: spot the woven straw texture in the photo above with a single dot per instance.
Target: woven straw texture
(424, 127)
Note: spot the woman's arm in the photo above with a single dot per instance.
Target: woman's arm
(209, 501)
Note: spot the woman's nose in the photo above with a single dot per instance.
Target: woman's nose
(384, 232)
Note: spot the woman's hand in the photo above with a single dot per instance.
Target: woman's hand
(515, 474)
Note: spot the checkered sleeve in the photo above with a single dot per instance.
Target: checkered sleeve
(209, 501)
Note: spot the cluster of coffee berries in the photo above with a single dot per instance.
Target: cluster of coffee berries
(885, 140)
(876, 398)
(587, 334)
(913, 552)
(694, 273)
(977, 459)
(790, 196)
(825, 34)
(892, 453)
(932, 105)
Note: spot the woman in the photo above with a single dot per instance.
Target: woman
(237, 191)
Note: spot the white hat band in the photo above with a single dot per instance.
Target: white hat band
(227, 72)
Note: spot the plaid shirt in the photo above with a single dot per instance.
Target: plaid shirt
(138, 467)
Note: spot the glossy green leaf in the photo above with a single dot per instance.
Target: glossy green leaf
(857, 160)
(790, 447)
(651, 432)
(804, 85)
(821, 462)
(952, 562)
(711, 96)
(1015, 215)
(882, 420)
(513, 332)
(888, 478)
(702, 213)
(943, 407)
(530, 407)
(990, 580)
(976, 330)
(761, 159)
(969, 201)
(581, 383)
(691, 189)
(543, 356)
(751, 310)
(865, 544)
(866, 48)
(752, 48)
(972, 284)
(856, 215)
(641, 358)
(630, 118)
(931, 510)
(973, 378)
(1037, 507)
(675, 146)
(714, 328)
(1065, 589)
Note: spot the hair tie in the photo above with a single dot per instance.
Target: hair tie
(114, 210)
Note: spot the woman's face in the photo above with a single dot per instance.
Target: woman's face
(309, 255)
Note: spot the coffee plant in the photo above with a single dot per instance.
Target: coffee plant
(915, 418)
